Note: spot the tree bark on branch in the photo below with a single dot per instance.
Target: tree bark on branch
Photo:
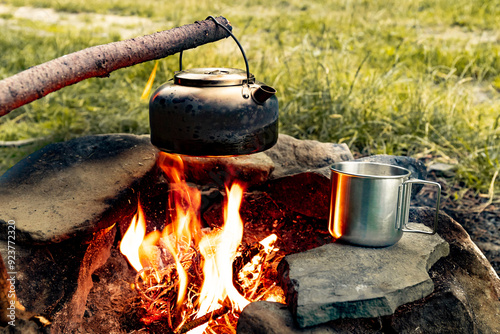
(99, 61)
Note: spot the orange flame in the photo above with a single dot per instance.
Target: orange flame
(218, 247)
(186, 226)
(132, 239)
(219, 250)
(185, 199)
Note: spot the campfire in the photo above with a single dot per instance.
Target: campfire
(61, 217)
(200, 258)
(189, 276)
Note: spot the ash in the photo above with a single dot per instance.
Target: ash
(110, 304)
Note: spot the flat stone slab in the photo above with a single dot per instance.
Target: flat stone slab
(417, 168)
(288, 157)
(343, 281)
(271, 318)
(292, 156)
(75, 187)
(253, 169)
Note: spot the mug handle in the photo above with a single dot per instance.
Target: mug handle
(403, 208)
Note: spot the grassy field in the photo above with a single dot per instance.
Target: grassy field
(418, 78)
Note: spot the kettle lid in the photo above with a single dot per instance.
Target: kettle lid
(212, 77)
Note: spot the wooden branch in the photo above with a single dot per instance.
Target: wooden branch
(101, 60)
(203, 319)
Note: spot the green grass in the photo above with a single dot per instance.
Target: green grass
(418, 78)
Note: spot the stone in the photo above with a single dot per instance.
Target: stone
(288, 157)
(306, 193)
(287, 185)
(271, 318)
(466, 296)
(74, 188)
(442, 169)
(343, 281)
(253, 169)
(293, 156)
(417, 167)
(54, 280)
(275, 318)
(287, 171)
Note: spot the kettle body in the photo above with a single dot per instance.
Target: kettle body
(213, 112)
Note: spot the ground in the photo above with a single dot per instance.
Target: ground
(479, 217)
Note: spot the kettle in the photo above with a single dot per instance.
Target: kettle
(214, 111)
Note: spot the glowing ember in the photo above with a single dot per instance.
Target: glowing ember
(185, 273)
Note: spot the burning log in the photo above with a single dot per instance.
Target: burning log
(99, 61)
(158, 289)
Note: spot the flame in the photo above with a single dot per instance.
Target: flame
(249, 275)
(185, 200)
(219, 250)
(148, 252)
(186, 227)
(132, 239)
(184, 237)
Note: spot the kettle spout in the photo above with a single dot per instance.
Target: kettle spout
(262, 93)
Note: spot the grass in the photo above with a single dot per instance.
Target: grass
(418, 78)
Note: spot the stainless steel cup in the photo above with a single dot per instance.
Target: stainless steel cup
(370, 203)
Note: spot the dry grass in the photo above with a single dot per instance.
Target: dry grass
(418, 78)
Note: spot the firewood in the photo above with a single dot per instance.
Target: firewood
(203, 319)
(245, 255)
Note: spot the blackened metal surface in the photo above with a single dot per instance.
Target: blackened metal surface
(203, 121)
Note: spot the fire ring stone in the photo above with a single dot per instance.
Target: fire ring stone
(342, 281)
(74, 188)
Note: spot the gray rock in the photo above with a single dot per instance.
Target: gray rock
(288, 157)
(417, 168)
(272, 318)
(54, 280)
(302, 167)
(293, 156)
(442, 169)
(467, 294)
(275, 318)
(74, 188)
(342, 281)
(253, 169)
(466, 297)
(306, 193)
(300, 170)
(288, 170)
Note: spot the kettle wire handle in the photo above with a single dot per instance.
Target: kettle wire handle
(237, 42)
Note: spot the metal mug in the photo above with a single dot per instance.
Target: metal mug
(370, 203)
